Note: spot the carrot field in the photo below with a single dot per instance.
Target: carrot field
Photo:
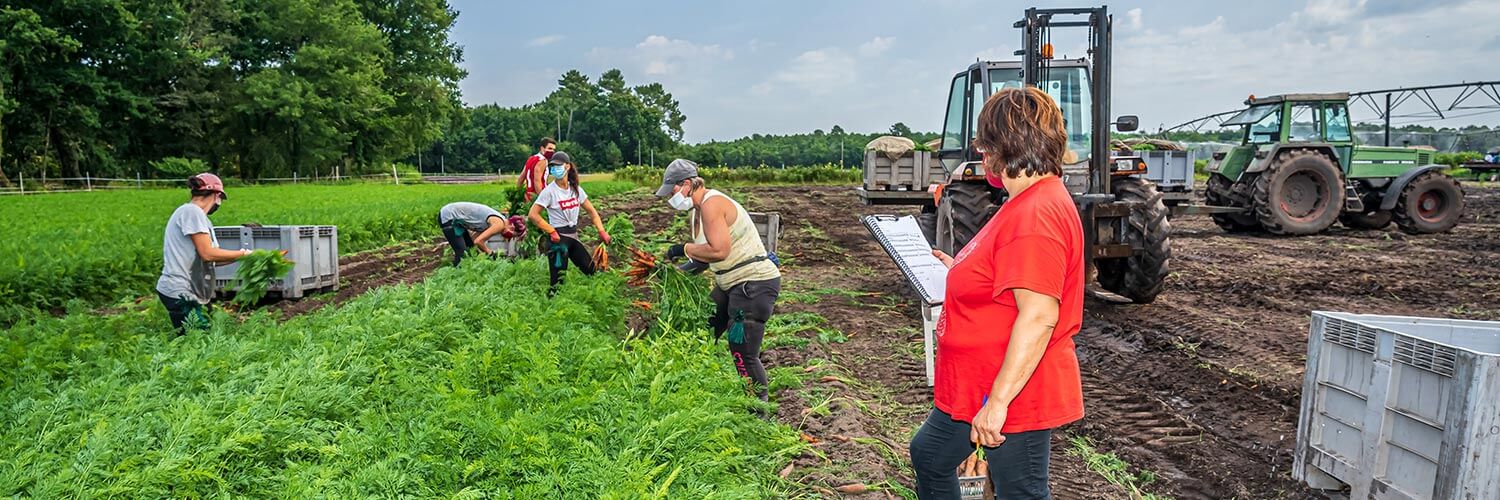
(96, 248)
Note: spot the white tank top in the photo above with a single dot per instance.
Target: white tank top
(744, 244)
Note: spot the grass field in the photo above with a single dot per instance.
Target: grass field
(100, 247)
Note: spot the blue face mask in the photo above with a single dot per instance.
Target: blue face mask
(557, 171)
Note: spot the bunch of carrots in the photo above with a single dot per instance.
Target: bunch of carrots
(640, 268)
(974, 466)
(601, 257)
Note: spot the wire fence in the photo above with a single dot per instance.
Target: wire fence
(88, 183)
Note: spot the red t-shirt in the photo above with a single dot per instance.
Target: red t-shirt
(530, 170)
(1036, 243)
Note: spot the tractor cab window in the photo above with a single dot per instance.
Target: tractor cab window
(1336, 123)
(953, 125)
(1306, 127)
(1262, 123)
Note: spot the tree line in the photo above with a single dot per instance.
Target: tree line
(252, 88)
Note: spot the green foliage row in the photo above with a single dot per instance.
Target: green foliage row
(255, 89)
(470, 385)
(814, 174)
(104, 246)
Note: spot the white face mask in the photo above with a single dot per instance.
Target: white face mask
(680, 202)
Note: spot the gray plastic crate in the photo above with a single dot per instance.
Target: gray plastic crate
(1172, 171)
(314, 249)
(1401, 407)
(506, 247)
(769, 226)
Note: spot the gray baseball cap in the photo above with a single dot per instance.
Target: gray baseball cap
(677, 171)
(559, 158)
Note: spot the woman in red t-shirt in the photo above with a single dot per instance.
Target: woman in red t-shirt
(1006, 373)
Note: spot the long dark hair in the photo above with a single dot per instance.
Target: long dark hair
(573, 178)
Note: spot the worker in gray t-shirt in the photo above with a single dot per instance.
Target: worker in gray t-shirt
(471, 225)
(188, 245)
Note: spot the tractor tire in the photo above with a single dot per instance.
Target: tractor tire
(1142, 276)
(1302, 192)
(1378, 219)
(928, 222)
(1431, 203)
(963, 211)
(1216, 195)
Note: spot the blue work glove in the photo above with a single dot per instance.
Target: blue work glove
(677, 251)
(692, 267)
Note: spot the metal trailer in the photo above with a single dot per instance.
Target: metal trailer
(314, 250)
(1400, 407)
(903, 181)
(1172, 171)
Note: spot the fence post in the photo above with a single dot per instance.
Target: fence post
(23, 183)
(88, 181)
(394, 175)
(294, 177)
(138, 180)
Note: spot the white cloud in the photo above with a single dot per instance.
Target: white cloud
(1331, 12)
(1169, 76)
(661, 56)
(817, 72)
(1133, 18)
(543, 41)
(876, 46)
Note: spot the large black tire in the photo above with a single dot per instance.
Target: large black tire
(1142, 276)
(1302, 192)
(1217, 195)
(927, 221)
(1431, 203)
(964, 209)
(1377, 219)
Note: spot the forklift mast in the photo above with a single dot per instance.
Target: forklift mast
(1036, 58)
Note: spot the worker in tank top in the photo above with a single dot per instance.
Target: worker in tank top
(746, 279)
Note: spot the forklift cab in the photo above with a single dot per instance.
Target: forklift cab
(1066, 82)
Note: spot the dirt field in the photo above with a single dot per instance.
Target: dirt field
(1200, 389)
(1197, 392)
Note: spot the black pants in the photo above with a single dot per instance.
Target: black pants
(184, 313)
(567, 249)
(1018, 467)
(750, 304)
(458, 238)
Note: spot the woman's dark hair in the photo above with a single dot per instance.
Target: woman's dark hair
(573, 178)
(196, 186)
(1023, 129)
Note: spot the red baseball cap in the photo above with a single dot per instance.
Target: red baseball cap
(210, 182)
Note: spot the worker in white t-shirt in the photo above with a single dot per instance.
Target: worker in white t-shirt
(563, 200)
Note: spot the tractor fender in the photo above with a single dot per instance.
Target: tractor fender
(1260, 164)
(1393, 191)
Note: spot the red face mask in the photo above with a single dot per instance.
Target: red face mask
(547, 154)
(990, 174)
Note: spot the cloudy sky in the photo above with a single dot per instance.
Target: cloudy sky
(774, 66)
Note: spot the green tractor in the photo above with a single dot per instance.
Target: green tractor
(1297, 171)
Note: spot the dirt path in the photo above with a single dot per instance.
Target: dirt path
(1200, 389)
(396, 264)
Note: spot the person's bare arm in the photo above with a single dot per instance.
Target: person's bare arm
(207, 251)
(588, 206)
(1029, 335)
(497, 224)
(713, 215)
(541, 222)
